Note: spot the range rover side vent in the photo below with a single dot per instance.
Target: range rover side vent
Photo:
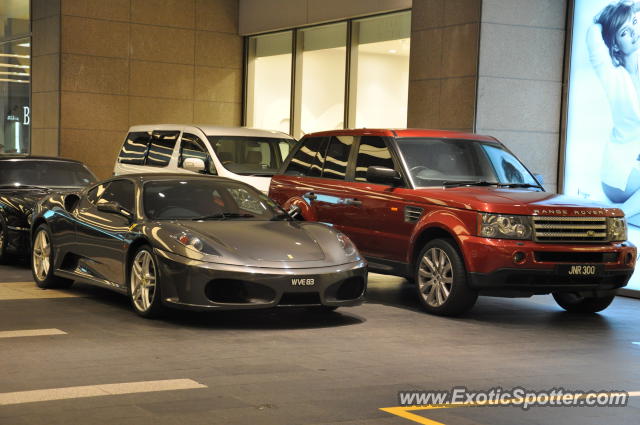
(412, 214)
(570, 229)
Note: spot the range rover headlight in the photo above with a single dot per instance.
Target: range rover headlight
(505, 226)
(617, 229)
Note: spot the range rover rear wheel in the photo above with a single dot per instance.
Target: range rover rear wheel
(576, 303)
(442, 280)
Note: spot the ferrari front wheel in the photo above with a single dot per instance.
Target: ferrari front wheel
(144, 288)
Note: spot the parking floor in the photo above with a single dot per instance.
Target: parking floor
(82, 356)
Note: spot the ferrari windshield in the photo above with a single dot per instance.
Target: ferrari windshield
(44, 173)
(258, 156)
(207, 199)
(438, 162)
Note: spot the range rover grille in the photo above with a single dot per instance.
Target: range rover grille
(412, 214)
(570, 229)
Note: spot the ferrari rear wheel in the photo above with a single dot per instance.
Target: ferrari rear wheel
(144, 289)
(42, 261)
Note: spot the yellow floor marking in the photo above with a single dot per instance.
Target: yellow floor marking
(31, 332)
(405, 411)
(52, 394)
(29, 291)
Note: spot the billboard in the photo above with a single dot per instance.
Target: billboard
(602, 146)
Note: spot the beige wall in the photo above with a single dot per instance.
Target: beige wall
(520, 82)
(443, 71)
(128, 62)
(258, 16)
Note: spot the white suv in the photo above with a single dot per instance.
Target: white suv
(245, 154)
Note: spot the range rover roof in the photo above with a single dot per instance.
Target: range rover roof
(211, 130)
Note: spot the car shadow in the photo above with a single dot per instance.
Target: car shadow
(271, 319)
(537, 311)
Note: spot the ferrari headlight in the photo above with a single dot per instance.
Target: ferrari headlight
(345, 243)
(617, 229)
(196, 244)
(505, 226)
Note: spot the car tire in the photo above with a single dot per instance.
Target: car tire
(441, 279)
(3, 239)
(144, 284)
(575, 303)
(42, 265)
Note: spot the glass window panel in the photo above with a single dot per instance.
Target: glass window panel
(14, 18)
(382, 71)
(335, 165)
(372, 151)
(134, 148)
(269, 81)
(192, 147)
(121, 192)
(161, 148)
(15, 87)
(323, 77)
(306, 160)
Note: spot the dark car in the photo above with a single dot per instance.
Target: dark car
(459, 215)
(193, 242)
(23, 181)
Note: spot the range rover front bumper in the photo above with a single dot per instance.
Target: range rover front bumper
(523, 268)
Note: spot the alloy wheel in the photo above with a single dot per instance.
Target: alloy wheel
(41, 255)
(435, 277)
(143, 280)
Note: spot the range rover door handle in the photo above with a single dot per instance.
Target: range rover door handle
(352, 201)
(311, 196)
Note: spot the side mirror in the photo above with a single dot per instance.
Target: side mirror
(115, 208)
(383, 175)
(540, 178)
(294, 211)
(196, 165)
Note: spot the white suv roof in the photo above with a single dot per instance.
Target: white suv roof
(212, 130)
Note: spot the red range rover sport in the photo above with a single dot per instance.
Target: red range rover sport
(458, 214)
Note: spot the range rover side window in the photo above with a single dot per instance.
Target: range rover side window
(161, 148)
(134, 149)
(372, 151)
(305, 162)
(337, 157)
(120, 191)
(192, 147)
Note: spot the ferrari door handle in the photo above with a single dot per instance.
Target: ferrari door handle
(352, 201)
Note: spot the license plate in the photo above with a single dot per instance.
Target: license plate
(580, 270)
(303, 281)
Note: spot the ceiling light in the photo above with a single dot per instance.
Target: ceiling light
(392, 51)
(24, 44)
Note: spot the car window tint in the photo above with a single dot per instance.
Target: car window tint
(120, 191)
(310, 154)
(372, 151)
(95, 193)
(335, 165)
(161, 148)
(192, 147)
(135, 148)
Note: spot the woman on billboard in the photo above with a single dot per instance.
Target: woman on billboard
(614, 42)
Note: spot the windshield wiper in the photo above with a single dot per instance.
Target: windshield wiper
(524, 185)
(469, 183)
(222, 216)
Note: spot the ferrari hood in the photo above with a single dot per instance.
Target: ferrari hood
(260, 240)
(515, 201)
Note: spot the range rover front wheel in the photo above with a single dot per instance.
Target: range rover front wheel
(442, 280)
(576, 303)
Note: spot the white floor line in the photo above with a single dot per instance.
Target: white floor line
(31, 332)
(97, 391)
